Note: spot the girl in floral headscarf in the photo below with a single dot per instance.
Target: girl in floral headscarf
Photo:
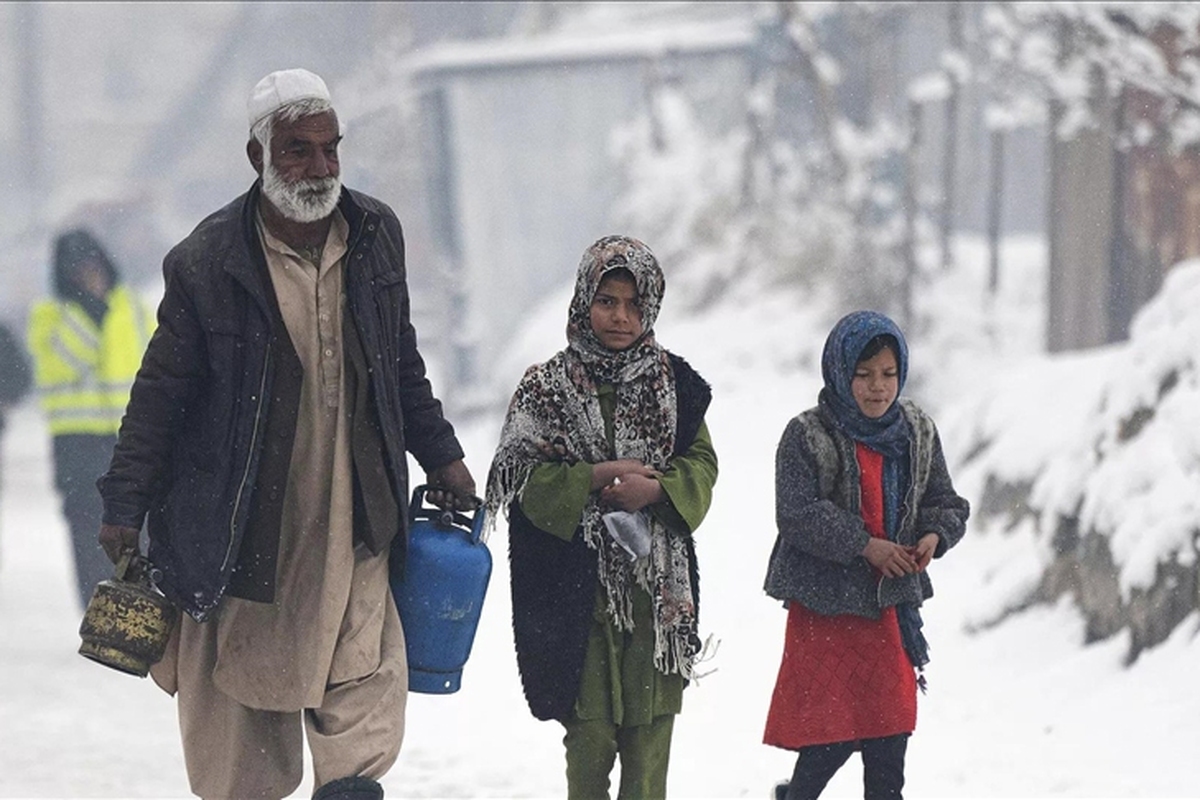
(605, 469)
(863, 502)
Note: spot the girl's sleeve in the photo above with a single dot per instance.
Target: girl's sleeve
(555, 495)
(688, 484)
(942, 510)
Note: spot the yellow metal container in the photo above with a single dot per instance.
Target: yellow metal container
(127, 622)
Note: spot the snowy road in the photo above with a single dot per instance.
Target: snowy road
(1021, 711)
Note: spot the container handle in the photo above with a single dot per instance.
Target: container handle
(445, 517)
(132, 566)
(124, 562)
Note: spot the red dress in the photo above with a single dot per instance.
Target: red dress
(844, 677)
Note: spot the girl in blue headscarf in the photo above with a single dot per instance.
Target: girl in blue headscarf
(864, 502)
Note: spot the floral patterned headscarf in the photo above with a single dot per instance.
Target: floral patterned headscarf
(606, 255)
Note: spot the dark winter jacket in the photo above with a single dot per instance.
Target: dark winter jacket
(554, 581)
(817, 557)
(205, 443)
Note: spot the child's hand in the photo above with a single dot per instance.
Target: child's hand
(892, 559)
(604, 472)
(923, 552)
(633, 492)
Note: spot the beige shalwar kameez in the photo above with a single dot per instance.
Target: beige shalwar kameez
(330, 645)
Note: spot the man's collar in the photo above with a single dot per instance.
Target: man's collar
(339, 230)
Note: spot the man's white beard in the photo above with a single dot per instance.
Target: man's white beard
(306, 200)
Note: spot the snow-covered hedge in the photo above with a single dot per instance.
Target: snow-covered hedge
(1101, 451)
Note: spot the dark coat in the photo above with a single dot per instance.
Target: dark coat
(817, 557)
(554, 582)
(205, 444)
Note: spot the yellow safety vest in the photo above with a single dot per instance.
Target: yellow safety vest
(84, 370)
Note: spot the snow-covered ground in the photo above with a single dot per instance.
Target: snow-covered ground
(1022, 709)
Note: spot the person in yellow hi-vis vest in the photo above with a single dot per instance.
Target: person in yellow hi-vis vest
(87, 343)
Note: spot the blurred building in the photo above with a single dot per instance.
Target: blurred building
(515, 139)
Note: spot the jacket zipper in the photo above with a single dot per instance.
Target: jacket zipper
(237, 501)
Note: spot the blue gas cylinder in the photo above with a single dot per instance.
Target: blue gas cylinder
(439, 592)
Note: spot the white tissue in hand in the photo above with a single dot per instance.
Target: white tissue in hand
(631, 530)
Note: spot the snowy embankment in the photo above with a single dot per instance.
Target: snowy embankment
(1019, 709)
(1092, 460)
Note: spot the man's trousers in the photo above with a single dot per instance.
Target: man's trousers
(233, 751)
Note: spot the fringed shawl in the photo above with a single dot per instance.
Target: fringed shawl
(555, 415)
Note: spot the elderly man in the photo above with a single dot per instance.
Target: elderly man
(265, 440)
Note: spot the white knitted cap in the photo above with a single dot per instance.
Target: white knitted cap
(283, 88)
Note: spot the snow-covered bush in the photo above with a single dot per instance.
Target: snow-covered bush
(1101, 451)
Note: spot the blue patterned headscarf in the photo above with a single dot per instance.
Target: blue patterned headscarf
(887, 434)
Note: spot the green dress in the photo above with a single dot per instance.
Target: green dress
(619, 682)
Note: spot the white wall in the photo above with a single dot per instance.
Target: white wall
(534, 182)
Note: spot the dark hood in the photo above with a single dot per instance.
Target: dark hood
(71, 249)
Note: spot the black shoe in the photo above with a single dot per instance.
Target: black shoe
(781, 790)
(356, 788)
